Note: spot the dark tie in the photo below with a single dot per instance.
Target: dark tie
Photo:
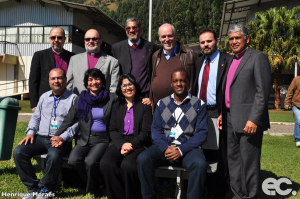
(205, 76)
(134, 45)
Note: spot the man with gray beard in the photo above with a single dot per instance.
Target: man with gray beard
(93, 58)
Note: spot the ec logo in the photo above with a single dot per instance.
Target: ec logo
(271, 186)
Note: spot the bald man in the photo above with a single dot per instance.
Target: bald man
(94, 57)
(44, 61)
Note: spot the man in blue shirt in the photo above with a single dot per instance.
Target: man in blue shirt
(210, 70)
(51, 110)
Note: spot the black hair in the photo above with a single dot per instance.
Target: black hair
(187, 76)
(94, 72)
(204, 30)
(131, 78)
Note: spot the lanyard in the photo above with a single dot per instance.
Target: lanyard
(55, 106)
(176, 121)
(61, 62)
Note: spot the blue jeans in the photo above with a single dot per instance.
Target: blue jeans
(41, 145)
(296, 111)
(194, 161)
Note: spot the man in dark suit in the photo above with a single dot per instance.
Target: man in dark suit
(44, 61)
(245, 112)
(210, 70)
(135, 55)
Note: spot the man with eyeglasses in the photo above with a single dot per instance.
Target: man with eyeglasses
(94, 57)
(135, 55)
(44, 61)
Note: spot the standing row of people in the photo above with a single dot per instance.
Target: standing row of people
(183, 90)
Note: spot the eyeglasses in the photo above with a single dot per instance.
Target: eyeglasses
(124, 86)
(93, 39)
(133, 28)
(54, 37)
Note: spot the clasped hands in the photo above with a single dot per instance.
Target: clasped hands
(172, 154)
(126, 148)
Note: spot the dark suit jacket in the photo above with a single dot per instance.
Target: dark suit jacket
(42, 63)
(121, 52)
(224, 62)
(142, 124)
(84, 128)
(249, 92)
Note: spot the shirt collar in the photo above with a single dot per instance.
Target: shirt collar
(58, 53)
(95, 54)
(131, 43)
(63, 95)
(241, 54)
(173, 53)
(213, 56)
(186, 98)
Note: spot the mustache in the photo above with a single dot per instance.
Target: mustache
(167, 42)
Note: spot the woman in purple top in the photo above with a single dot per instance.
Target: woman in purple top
(130, 129)
(92, 112)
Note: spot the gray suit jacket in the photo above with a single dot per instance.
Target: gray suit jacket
(108, 65)
(249, 92)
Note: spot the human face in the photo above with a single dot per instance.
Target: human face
(167, 38)
(129, 91)
(237, 42)
(179, 84)
(95, 85)
(57, 39)
(133, 31)
(57, 81)
(208, 44)
(90, 45)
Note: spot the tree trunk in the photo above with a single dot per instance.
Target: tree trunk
(277, 87)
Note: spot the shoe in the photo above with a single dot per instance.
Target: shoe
(45, 193)
(31, 195)
(298, 143)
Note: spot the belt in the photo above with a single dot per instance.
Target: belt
(97, 133)
(211, 107)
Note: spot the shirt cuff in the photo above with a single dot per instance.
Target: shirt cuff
(179, 151)
(30, 132)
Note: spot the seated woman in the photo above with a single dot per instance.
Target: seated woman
(130, 129)
(92, 111)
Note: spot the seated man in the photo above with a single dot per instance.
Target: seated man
(179, 127)
(51, 110)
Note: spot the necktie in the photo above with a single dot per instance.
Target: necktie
(205, 76)
(134, 45)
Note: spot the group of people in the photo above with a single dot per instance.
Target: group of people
(146, 107)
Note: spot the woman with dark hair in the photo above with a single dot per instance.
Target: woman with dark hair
(92, 112)
(130, 129)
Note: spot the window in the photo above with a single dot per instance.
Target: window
(2, 33)
(24, 34)
(36, 34)
(11, 34)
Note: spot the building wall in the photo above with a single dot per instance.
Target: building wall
(2, 77)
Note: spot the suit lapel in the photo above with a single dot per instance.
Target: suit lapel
(136, 117)
(221, 67)
(126, 54)
(147, 51)
(84, 61)
(245, 58)
(51, 58)
(102, 60)
(123, 108)
(198, 68)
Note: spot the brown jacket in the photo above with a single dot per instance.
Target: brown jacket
(293, 93)
(187, 57)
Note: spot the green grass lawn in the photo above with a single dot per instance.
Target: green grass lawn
(281, 115)
(25, 106)
(280, 158)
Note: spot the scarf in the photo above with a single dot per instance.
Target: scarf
(87, 100)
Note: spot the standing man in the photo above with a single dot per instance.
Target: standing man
(179, 127)
(135, 55)
(94, 57)
(245, 113)
(44, 61)
(51, 110)
(294, 95)
(210, 70)
(170, 57)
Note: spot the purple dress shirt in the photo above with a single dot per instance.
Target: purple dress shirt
(234, 65)
(129, 121)
(98, 120)
(60, 60)
(93, 59)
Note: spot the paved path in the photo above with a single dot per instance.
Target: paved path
(277, 128)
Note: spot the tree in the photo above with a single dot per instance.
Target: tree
(274, 32)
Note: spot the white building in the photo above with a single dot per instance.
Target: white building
(25, 27)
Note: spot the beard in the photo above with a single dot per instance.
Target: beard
(168, 48)
(134, 38)
(92, 49)
(56, 48)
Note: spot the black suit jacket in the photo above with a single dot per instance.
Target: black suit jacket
(224, 62)
(142, 124)
(121, 52)
(42, 63)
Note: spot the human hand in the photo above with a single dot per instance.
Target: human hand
(28, 138)
(33, 109)
(172, 154)
(286, 107)
(57, 141)
(250, 128)
(146, 101)
(124, 152)
(127, 147)
(219, 122)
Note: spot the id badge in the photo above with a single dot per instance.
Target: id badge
(175, 131)
(53, 124)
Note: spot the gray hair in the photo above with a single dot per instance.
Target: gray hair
(63, 31)
(170, 25)
(238, 27)
(133, 19)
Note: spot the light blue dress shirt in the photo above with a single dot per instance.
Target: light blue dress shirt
(44, 114)
(167, 56)
(212, 80)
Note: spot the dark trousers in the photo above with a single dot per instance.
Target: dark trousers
(194, 161)
(218, 183)
(120, 172)
(243, 162)
(86, 160)
(41, 145)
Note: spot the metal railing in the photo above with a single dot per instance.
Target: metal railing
(15, 87)
(9, 48)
